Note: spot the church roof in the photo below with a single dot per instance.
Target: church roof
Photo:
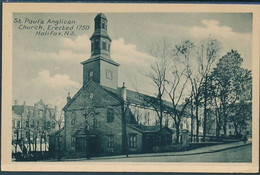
(149, 129)
(100, 33)
(101, 15)
(136, 98)
(100, 58)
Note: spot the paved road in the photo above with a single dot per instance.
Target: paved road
(240, 154)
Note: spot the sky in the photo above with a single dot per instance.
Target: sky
(48, 67)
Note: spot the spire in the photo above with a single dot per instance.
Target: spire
(100, 40)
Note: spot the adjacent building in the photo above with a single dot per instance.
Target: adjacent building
(31, 126)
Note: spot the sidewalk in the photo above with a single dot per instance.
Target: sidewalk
(209, 149)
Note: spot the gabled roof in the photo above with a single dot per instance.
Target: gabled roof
(18, 109)
(148, 129)
(97, 85)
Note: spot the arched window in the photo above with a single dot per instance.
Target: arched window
(104, 45)
(73, 119)
(110, 143)
(110, 115)
(103, 25)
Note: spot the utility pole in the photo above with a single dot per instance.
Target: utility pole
(124, 121)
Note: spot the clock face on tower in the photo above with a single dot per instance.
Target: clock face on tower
(91, 73)
(109, 74)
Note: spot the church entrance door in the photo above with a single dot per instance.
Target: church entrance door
(80, 144)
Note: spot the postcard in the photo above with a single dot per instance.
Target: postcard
(130, 87)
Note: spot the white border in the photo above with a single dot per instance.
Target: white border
(7, 165)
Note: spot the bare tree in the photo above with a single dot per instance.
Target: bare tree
(176, 85)
(59, 121)
(199, 70)
(28, 128)
(160, 52)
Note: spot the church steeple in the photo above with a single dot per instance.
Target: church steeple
(100, 67)
(100, 40)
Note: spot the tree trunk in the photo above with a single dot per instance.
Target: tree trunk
(45, 143)
(29, 143)
(225, 119)
(41, 143)
(205, 111)
(59, 147)
(35, 143)
(177, 131)
(17, 138)
(197, 120)
(191, 127)
(161, 110)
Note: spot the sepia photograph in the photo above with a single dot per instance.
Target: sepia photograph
(104, 86)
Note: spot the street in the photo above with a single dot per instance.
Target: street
(239, 154)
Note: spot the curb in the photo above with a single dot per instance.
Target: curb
(159, 155)
(184, 154)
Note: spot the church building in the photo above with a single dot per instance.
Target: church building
(100, 118)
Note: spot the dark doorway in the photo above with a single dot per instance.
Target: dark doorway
(148, 144)
(93, 146)
(90, 146)
(80, 144)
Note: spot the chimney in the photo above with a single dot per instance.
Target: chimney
(15, 102)
(68, 97)
(123, 92)
(24, 103)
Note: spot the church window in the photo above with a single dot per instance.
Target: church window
(108, 47)
(53, 124)
(27, 134)
(13, 124)
(73, 141)
(73, 121)
(96, 44)
(32, 124)
(94, 122)
(103, 25)
(110, 141)
(48, 124)
(104, 45)
(27, 123)
(132, 140)
(110, 115)
(97, 24)
(40, 113)
(91, 95)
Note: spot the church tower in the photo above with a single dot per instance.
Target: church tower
(100, 67)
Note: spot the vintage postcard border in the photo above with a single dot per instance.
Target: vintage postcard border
(7, 165)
